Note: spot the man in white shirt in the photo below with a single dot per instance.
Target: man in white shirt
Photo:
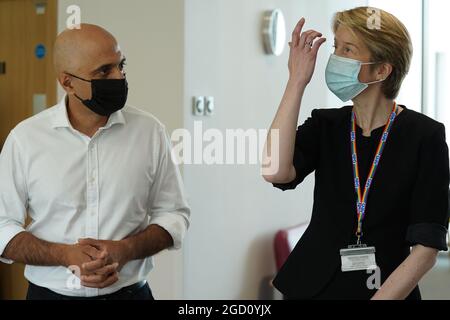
(85, 170)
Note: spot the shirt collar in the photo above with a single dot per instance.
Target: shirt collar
(61, 119)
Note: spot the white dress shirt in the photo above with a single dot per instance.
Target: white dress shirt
(107, 187)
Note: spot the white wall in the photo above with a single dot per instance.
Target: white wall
(411, 16)
(235, 213)
(151, 36)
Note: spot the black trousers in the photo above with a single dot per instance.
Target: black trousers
(134, 292)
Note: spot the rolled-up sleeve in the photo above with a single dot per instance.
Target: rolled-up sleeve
(306, 151)
(13, 194)
(429, 209)
(168, 204)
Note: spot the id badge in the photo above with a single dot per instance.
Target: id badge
(358, 257)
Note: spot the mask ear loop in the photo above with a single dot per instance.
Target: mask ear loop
(72, 75)
(372, 82)
(79, 78)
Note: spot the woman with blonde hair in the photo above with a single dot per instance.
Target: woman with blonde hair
(380, 211)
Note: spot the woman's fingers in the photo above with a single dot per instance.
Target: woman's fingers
(317, 44)
(311, 36)
(297, 31)
(308, 37)
(303, 37)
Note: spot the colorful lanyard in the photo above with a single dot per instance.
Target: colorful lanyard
(361, 203)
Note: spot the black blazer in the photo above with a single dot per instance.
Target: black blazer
(407, 204)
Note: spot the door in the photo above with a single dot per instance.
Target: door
(27, 85)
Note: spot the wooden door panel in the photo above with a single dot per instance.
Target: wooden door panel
(22, 28)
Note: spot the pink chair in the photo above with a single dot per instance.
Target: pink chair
(285, 241)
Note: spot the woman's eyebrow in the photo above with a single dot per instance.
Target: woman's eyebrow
(348, 43)
(351, 44)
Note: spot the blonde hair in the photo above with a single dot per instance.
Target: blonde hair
(388, 42)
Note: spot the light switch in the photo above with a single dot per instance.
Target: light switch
(209, 106)
(39, 103)
(199, 106)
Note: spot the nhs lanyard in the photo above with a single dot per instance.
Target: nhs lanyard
(361, 203)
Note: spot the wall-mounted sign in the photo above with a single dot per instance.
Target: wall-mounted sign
(40, 8)
(40, 51)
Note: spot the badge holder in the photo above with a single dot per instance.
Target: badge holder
(358, 257)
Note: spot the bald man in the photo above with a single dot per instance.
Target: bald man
(96, 179)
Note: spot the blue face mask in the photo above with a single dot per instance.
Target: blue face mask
(342, 76)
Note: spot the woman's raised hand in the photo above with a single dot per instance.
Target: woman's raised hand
(303, 53)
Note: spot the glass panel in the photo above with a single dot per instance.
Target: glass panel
(437, 61)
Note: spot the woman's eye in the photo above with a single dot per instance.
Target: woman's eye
(122, 65)
(347, 50)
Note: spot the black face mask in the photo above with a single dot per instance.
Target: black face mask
(108, 95)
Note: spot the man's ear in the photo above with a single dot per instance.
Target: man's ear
(65, 81)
